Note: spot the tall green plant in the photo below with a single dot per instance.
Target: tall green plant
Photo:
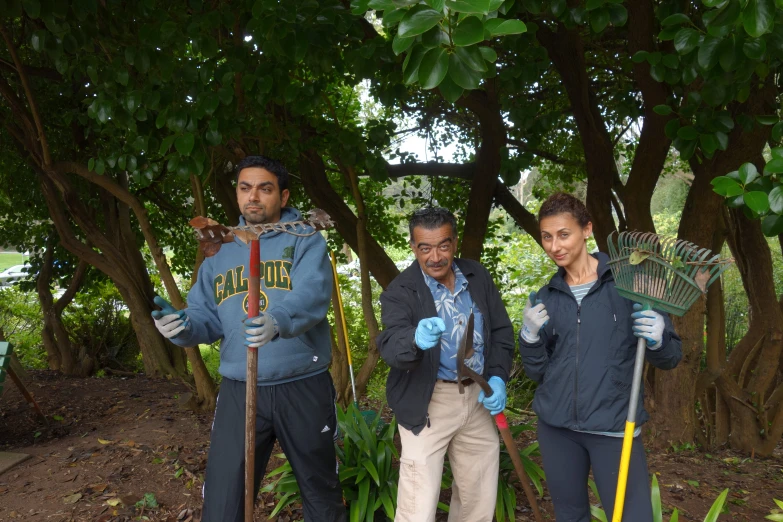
(506, 503)
(367, 474)
(655, 495)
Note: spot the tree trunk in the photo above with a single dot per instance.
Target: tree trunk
(373, 355)
(492, 130)
(566, 50)
(317, 186)
(674, 393)
(206, 395)
(653, 146)
(62, 355)
(750, 383)
(131, 280)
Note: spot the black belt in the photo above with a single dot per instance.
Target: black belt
(465, 382)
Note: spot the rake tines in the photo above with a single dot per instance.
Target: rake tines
(663, 271)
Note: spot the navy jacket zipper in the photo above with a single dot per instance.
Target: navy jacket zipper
(576, 373)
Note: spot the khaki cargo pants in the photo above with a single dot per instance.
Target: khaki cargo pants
(462, 426)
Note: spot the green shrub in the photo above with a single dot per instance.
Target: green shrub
(367, 472)
(20, 322)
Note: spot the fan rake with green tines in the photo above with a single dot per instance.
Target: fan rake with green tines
(658, 272)
(662, 272)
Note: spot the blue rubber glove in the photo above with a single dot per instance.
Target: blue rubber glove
(535, 318)
(260, 330)
(428, 332)
(496, 402)
(648, 324)
(169, 321)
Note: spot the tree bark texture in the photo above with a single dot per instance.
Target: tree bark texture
(674, 393)
(484, 104)
(750, 382)
(61, 353)
(566, 50)
(323, 195)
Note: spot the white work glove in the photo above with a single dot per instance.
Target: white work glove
(260, 330)
(648, 324)
(535, 317)
(169, 321)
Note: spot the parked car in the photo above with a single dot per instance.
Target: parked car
(13, 274)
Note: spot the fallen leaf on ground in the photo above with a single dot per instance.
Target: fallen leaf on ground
(72, 499)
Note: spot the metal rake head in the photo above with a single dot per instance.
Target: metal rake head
(662, 271)
(211, 234)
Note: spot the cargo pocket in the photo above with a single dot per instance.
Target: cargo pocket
(407, 487)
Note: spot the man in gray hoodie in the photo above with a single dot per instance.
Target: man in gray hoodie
(295, 402)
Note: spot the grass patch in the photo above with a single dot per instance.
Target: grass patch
(9, 259)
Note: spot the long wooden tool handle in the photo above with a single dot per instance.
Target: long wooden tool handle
(511, 446)
(253, 297)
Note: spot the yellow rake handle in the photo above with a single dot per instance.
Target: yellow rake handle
(622, 478)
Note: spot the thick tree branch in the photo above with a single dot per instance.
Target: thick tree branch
(29, 93)
(41, 72)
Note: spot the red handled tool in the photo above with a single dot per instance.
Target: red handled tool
(465, 351)
(253, 298)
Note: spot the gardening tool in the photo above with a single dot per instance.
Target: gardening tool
(343, 326)
(368, 415)
(656, 272)
(464, 352)
(211, 236)
(253, 300)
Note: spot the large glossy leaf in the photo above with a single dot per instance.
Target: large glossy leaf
(708, 53)
(184, 144)
(686, 40)
(776, 199)
(469, 6)
(727, 15)
(755, 48)
(472, 58)
(772, 225)
(618, 14)
(758, 17)
(418, 20)
(410, 67)
(747, 173)
(433, 68)
(435, 37)
(774, 166)
(726, 186)
(400, 44)
(757, 201)
(462, 74)
(500, 27)
(599, 19)
(451, 91)
(469, 31)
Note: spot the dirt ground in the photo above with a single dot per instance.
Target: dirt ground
(112, 441)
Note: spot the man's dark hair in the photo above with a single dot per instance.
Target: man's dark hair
(268, 164)
(562, 203)
(431, 218)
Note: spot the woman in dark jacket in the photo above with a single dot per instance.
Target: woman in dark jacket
(578, 342)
